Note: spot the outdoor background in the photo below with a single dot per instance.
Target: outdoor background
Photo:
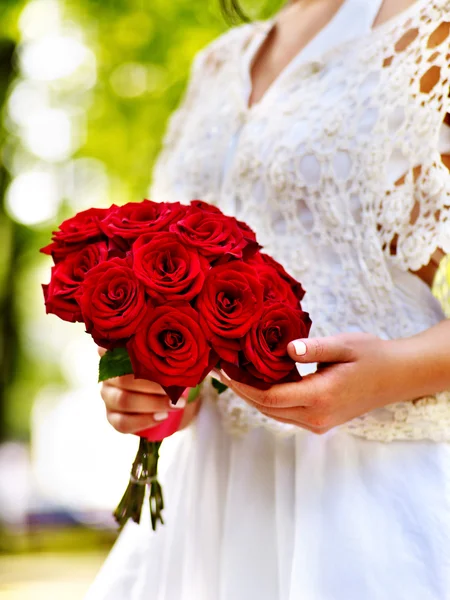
(86, 88)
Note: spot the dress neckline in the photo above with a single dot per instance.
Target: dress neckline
(353, 20)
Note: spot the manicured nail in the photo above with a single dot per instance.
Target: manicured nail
(299, 347)
(224, 377)
(180, 404)
(162, 416)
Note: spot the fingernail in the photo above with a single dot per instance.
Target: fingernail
(224, 377)
(299, 347)
(162, 416)
(180, 404)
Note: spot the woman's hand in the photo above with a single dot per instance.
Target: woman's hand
(133, 405)
(357, 373)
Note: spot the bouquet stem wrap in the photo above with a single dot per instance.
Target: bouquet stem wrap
(144, 474)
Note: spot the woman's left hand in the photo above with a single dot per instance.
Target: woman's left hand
(356, 373)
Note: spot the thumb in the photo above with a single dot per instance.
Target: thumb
(320, 350)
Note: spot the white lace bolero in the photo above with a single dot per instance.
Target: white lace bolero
(338, 170)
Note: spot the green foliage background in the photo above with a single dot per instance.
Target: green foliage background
(124, 133)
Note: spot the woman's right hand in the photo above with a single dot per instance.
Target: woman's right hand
(133, 405)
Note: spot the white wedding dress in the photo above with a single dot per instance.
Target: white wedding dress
(338, 170)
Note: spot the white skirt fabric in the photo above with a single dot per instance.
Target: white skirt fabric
(331, 517)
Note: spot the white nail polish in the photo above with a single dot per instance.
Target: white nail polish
(299, 347)
(180, 404)
(224, 377)
(162, 416)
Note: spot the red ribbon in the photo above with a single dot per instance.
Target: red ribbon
(167, 427)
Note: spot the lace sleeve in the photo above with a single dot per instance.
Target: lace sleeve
(412, 238)
(411, 233)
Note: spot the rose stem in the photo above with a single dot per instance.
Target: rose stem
(131, 503)
(156, 496)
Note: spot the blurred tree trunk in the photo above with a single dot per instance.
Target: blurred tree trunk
(8, 254)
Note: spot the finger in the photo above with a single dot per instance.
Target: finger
(331, 349)
(121, 400)
(304, 417)
(143, 386)
(215, 373)
(101, 351)
(283, 395)
(246, 392)
(132, 423)
(314, 425)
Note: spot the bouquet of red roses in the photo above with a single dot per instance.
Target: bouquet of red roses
(173, 291)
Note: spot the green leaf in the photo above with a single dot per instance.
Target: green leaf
(218, 385)
(193, 393)
(114, 363)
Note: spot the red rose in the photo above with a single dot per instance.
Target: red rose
(205, 207)
(113, 303)
(265, 259)
(230, 302)
(211, 233)
(75, 233)
(168, 269)
(264, 360)
(276, 288)
(67, 275)
(171, 349)
(249, 235)
(126, 223)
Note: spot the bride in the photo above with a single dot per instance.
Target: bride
(326, 129)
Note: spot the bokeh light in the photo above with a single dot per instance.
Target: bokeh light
(52, 57)
(48, 134)
(40, 18)
(129, 80)
(33, 197)
(26, 99)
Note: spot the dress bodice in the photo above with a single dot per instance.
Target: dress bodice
(338, 169)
